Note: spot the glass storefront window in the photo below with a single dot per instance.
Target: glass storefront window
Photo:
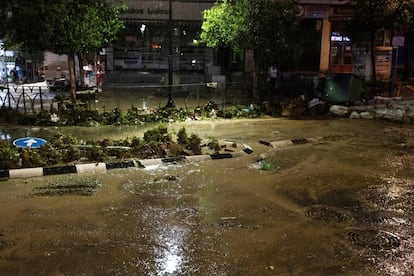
(341, 49)
(144, 45)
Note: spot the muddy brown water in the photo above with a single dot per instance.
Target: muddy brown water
(340, 205)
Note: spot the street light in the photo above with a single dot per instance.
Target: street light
(170, 103)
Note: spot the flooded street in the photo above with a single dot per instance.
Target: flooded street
(340, 204)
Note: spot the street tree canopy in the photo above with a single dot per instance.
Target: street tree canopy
(62, 26)
(373, 16)
(267, 27)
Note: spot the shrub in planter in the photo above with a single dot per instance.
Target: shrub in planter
(70, 154)
(96, 154)
(50, 155)
(61, 140)
(135, 141)
(9, 115)
(182, 138)
(159, 135)
(106, 142)
(9, 156)
(194, 144)
(32, 158)
(114, 117)
(132, 116)
(214, 145)
(175, 149)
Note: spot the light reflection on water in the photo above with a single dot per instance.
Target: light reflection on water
(19, 132)
(169, 255)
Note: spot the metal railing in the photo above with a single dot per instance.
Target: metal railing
(185, 95)
(27, 98)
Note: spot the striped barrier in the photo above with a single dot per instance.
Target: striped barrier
(285, 143)
(302, 141)
(102, 167)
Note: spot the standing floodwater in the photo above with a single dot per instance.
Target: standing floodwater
(339, 203)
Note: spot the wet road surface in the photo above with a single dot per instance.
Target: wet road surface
(340, 205)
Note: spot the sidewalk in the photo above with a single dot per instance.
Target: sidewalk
(405, 89)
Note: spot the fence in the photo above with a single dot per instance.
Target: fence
(189, 95)
(35, 98)
(27, 98)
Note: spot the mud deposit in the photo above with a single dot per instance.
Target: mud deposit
(335, 206)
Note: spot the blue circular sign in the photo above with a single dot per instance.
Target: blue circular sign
(29, 142)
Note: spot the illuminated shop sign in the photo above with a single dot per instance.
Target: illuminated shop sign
(149, 11)
(160, 10)
(335, 36)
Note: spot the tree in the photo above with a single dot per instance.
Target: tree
(267, 27)
(63, 27)
(373, 16)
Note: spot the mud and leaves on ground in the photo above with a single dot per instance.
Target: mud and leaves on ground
(69, 185)
(81, 115)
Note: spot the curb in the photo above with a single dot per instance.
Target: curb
(291, 142)
(302, 141)
(101, 167)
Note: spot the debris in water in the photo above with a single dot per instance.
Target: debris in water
(265, 166)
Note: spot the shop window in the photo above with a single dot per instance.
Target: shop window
(145, 46)
(341, 49)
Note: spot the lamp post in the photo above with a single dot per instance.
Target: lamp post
(170, 103)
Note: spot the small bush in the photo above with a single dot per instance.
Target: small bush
(9, 156)
(182, 138)
(195, 144)
(158, 135)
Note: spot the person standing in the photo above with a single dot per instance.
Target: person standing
(273, 74)
(4, 75)
(14, 75)
(20, 66)
(99, 78)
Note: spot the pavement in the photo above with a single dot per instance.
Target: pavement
(405, 89)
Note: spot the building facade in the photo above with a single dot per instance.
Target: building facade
(160, 34)
(144, 44)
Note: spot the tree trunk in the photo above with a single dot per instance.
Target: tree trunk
(72, 77)
(373, 59)
(255, 78)
(81, 72)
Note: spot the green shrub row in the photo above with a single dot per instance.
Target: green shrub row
(80, 115)
(63, 149)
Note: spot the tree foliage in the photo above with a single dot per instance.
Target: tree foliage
(268, 27)
(62, 26)
(223, 25)
(372, 16)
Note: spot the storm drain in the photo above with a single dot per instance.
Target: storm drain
(374, 239)
(328, 214)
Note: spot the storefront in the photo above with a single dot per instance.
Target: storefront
(154, 35)
(340, 60)
(341, 47)
(160, 34)
(144, 45)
